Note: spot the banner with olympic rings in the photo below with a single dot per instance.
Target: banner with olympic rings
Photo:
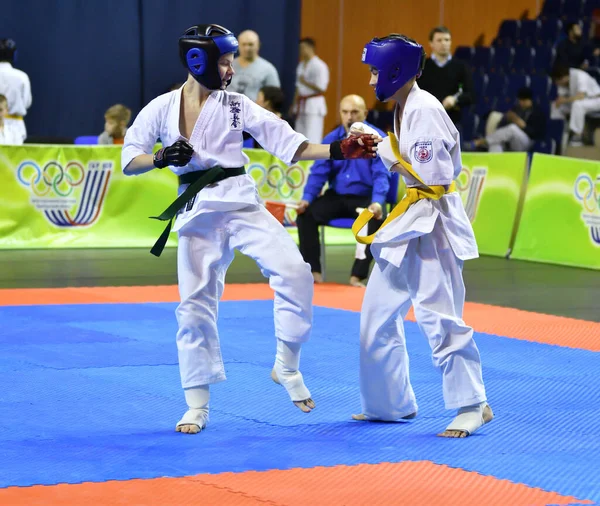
(277, 182)
(560, 222)
(77, 197)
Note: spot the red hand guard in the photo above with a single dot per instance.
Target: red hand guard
(352, 149)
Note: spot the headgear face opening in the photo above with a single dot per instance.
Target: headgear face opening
(200, 48)
(397, 60)
(8, 50)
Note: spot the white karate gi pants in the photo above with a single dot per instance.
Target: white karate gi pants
(429, 276)
(512, 135)
(576, 113)
(205, 251)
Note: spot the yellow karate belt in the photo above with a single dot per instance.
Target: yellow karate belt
(412, 195)
(14, 116)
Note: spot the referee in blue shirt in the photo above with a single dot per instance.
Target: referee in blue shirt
(352, 184)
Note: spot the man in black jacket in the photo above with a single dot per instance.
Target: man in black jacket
(447, 79)
(519, 129)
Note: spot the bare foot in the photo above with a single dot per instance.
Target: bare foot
(363, 418)
(354, 281)
(188, 428)
(193, 421)
(306, 406)
(317, 277)
(487, 416)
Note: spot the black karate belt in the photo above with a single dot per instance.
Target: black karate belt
(196, 180)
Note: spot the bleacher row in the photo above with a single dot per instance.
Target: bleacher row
(522, 55)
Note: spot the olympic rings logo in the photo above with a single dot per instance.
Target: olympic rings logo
(586, 191)
(277, 179)
(51, 177)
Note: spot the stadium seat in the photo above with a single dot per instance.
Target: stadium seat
(479, 85)
(86, 139)
(502, 60)
(523, 60)
(507, 33)
(528, 32)
(540, 85)
(549, 31)
(508, 99)
(482, 59)
(464, 53)
(552, 9)
(572, 9)
(543, 59)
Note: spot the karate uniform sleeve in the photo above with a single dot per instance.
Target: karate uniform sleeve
(322, 76)
(274, 134)
(143, 134)
(428, 144)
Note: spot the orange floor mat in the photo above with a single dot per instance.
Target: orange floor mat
(405, 483)
(508, 322)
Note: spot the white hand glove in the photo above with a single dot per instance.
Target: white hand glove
(361, 128)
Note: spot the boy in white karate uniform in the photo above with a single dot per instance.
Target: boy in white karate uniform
(219, 210)
(419, 251)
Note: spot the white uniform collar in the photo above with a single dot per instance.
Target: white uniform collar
(409, 99)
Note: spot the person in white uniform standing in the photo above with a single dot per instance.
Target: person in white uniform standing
(312, 79)
(419, 250)
(15, 86)
(218, 210)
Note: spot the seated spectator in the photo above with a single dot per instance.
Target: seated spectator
(271, 98)
(571, 52)
(352, 184)
(578, 94)
(519, 128)
(11, 132)
(116, 119)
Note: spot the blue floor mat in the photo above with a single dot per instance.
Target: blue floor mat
(92, 393)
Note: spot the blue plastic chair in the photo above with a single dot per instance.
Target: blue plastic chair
(572, 9)
(86, 139)
(482, 59)
(390, 199)
(549, 31)
(540, 86)
(508, 33)
(507, 100)
(543, 59)
(529, 32)
(523, 60)
(552, 8)
(502, 60)
(464, 53)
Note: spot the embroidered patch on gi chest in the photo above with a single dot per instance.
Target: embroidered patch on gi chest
(235, 115)
(423, 151)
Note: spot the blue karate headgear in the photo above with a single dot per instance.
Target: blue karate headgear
(200, 48)
(8, 49)
(397, 59)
